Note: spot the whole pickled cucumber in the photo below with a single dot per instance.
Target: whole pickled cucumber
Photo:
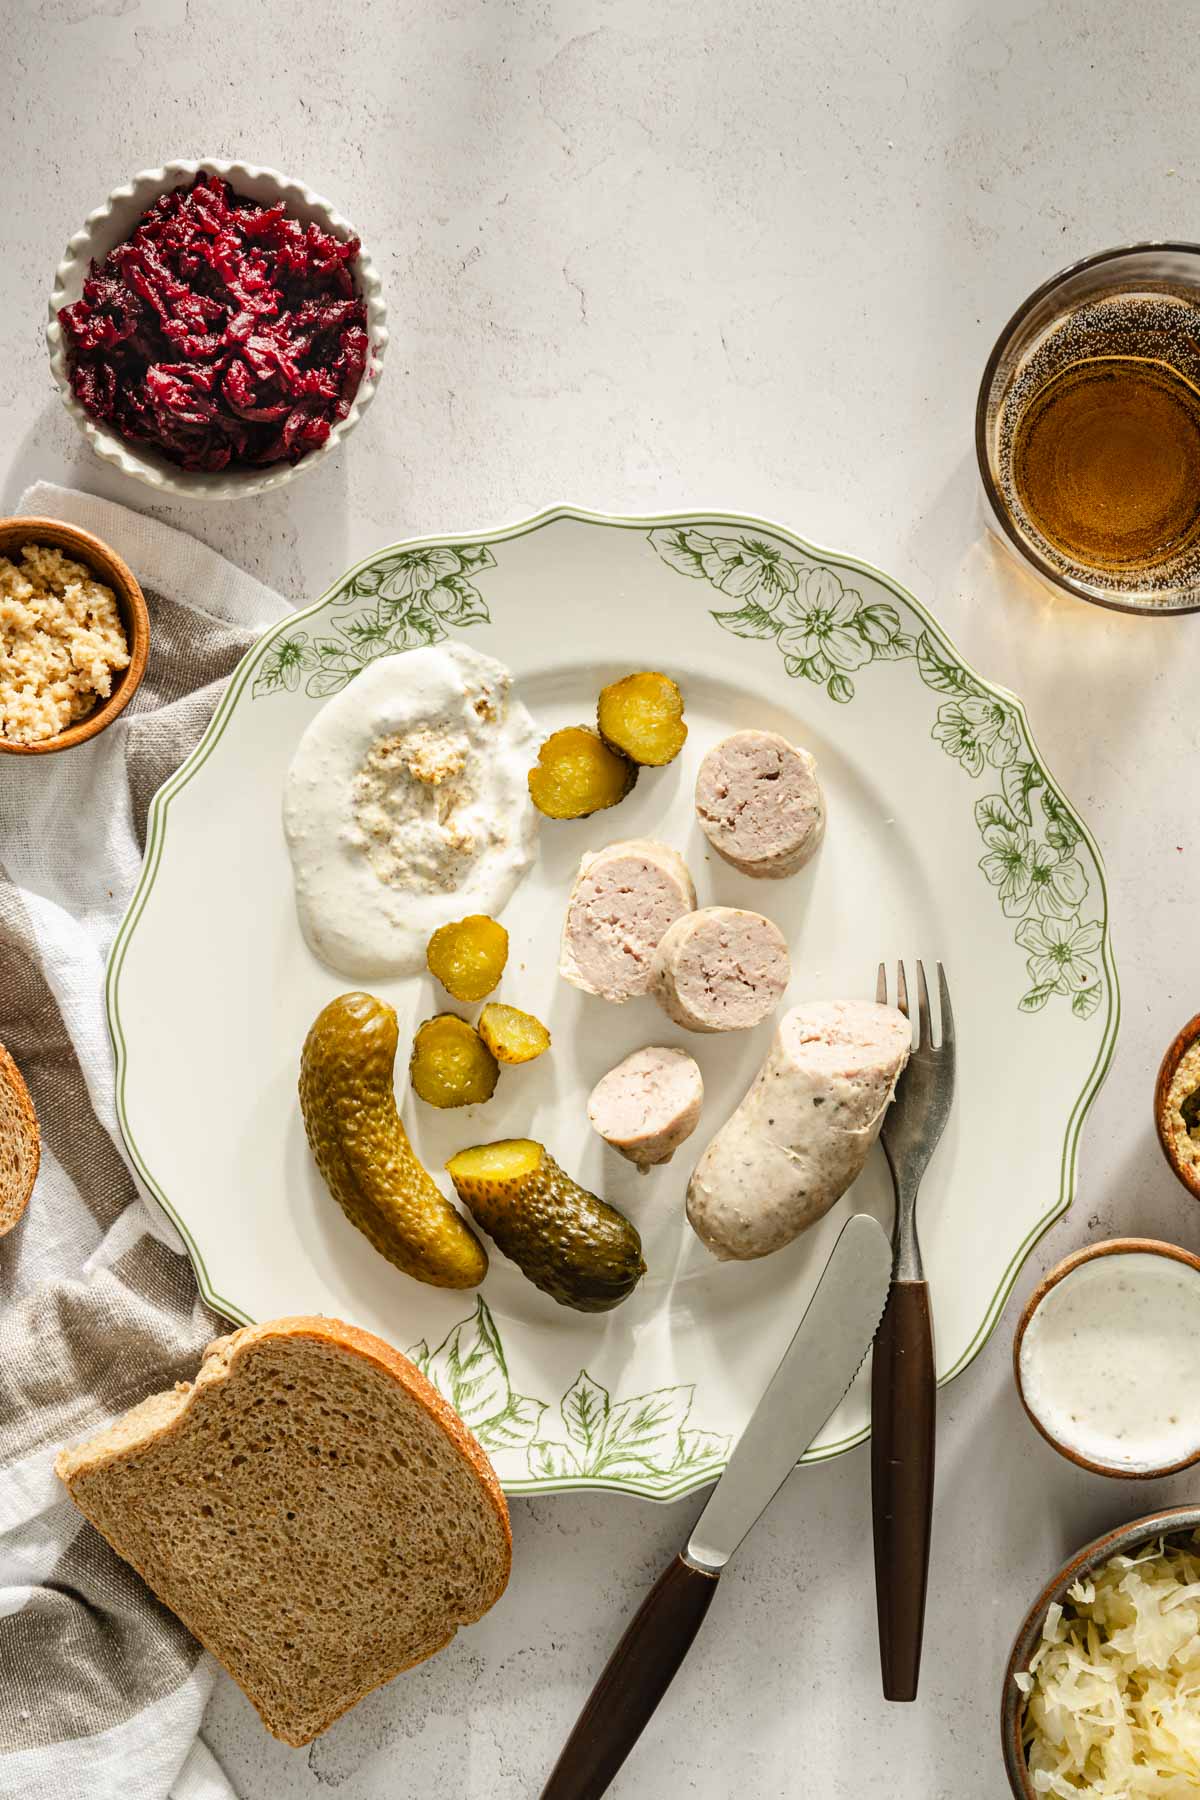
(570, 1243)
(363, 1152)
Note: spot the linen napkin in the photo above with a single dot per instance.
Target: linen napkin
(101, 1688)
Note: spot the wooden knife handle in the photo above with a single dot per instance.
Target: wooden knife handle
(637, 1675)
(903, 1430)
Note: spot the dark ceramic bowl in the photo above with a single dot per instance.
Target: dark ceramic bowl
(1123, 1541)
(1178, 1048)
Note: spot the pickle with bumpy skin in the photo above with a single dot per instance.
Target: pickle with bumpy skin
(570, 1243)
(511, 1035)
(468, 956)
(641, 717)
(576, 774)
(363, 1152)
(451, 1065)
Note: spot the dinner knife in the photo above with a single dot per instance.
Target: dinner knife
(818, 1366)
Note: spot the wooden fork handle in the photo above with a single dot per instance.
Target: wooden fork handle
(903, 1430)
(637, 1675)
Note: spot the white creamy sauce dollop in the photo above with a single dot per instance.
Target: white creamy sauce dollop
(407, 805)
(1110, 1361)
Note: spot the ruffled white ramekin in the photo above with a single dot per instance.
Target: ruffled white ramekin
(112, 224)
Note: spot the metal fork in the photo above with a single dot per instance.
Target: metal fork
(903, 1373)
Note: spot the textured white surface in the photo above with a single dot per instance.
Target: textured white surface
(753, 257)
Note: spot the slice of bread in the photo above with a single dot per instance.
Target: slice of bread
(310, 1507)
(20, 1143)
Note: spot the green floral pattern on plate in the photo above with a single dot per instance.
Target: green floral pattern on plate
(646, 1442)
(765, 584)
(412, 595)
(826, 633)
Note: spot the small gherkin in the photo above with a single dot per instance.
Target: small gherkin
(567, 1241)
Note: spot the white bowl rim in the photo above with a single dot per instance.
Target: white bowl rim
(144, 466)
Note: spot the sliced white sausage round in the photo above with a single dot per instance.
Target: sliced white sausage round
(721, 969)
(759, 803)
(802, 1134)
(623, 899)
(648, 1105)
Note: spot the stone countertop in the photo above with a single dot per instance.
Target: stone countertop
(642, 258)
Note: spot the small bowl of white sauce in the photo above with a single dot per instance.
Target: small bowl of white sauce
(1107, 1358)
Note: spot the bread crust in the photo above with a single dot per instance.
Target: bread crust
(129, 1435)
(14, 1201)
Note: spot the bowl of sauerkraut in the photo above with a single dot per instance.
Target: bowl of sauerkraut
(1102, 1691)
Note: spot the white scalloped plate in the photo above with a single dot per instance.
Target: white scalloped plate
(115, 221)
(947, 839)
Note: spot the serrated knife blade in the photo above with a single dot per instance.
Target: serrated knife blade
(811, 1381)
(818, 1366)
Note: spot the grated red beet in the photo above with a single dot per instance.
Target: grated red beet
(223, 333)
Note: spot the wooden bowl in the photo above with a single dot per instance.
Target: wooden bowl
(1109, 1247)
(1176, 1051)
(107, 567)
(1126, 1540)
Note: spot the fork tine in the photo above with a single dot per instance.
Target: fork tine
(924, 1026)
(881, 985)
(947, 1039)
(901, 990)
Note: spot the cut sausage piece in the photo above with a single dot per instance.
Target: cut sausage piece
(721, 969)
(648, 1105)
(623, 899)
(802, 1134)
(759, 803)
